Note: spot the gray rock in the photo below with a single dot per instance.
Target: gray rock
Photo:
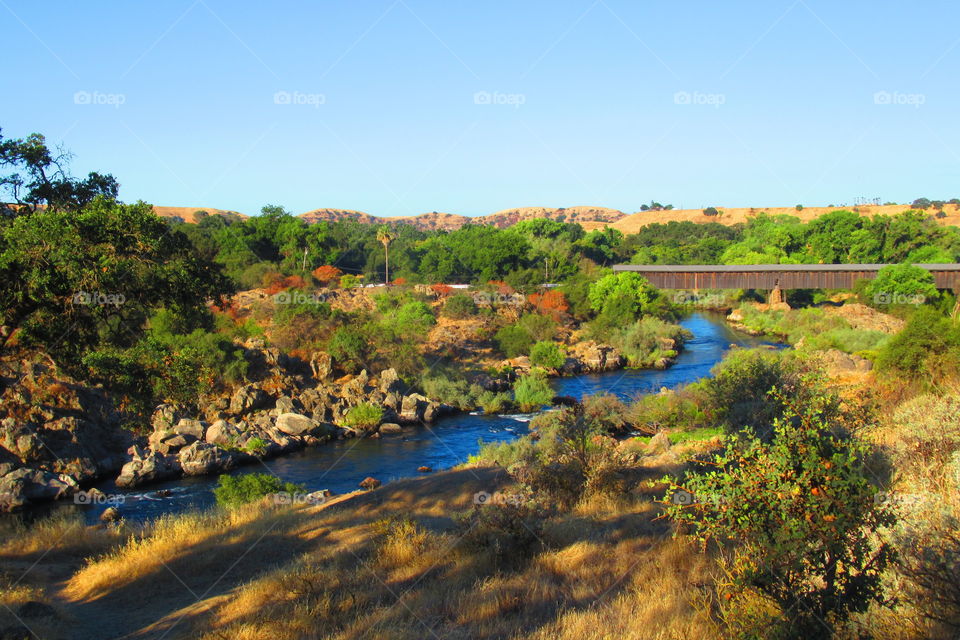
(165, 416)
(202, 458)
(659, 443)
(151, 467)
(412, 407)
(248, 398)
(390, 427)
(194, 428)
(321, 365)
(222, 433)
(286, 404)
(390, 381)
(295, 424)
(24, 486)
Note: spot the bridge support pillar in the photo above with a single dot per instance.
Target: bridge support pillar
(776, 296)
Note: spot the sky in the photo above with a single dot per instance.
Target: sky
(399, 107)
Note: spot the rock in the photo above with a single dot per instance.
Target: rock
(295, 424)
(35, 609)
(390, 427)
(369, 483)
(321, 365)
(412, 407)
(149, 467)
(167, 443)
(194, 428)
(286, 404)
(24, 486)
(165, 416)
(390, 381)
(222, 433)
(659, 443)
(424, 469)
(248, 398)
(202, 458)
(318, 497)
(110, 514)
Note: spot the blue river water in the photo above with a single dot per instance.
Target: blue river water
(339, 466)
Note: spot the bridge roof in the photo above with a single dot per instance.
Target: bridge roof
(775, 268)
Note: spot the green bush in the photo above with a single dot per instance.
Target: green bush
(233, 491)
(513, 340)
(348, 348)
(547, 355)
(901, 284)
(532, 391)
(925, 351)
(459, 306)
(797, 521)
(492, 402)
(456, 392)
(645, 341)
(365, 415)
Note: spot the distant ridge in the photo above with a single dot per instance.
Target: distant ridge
(589, 217)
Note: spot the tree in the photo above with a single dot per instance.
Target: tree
(797, 521)
(902, 284)
(40, 177)
(623, 296)
(710, 211)
(327, 273)
(547, 355)
(920, 203)
(385, 237)
(73, 280)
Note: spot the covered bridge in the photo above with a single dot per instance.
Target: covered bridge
(775, 276)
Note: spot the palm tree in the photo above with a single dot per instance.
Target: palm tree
(385, 237)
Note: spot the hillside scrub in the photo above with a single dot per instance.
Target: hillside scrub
(812, 328)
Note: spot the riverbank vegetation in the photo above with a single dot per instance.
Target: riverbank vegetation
(808, 492)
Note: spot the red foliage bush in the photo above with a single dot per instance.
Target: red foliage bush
(327, 273)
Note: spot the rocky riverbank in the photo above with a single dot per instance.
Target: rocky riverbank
(57, 436)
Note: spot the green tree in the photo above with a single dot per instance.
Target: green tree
(902, 284)
(385, 237)
(547, 355)
(797, 521)
(622, 297)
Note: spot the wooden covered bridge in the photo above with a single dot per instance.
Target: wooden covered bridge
(776, 276)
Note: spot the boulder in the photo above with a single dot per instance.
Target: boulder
(286, 404)
(110, 514)
(24, 486)
(222, 433)
(321, 365)
(295, 424)
(194, 428)
(165, 416)
(202, 458)
(390, 427)
(168, 442)
(412, 407)
(147, 467)
(659, 443)
(248, 398)
(390, 381)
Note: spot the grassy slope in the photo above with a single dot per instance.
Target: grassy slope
(604, 571)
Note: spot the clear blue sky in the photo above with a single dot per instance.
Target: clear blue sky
(601, 103)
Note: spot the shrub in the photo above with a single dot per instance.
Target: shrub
(365, 415)
(797, 520)
(547, 355)
(901, 284)
(799, 207)
(532, 391)
(710, 211)
(459, 307)
(513, 340)
(492, 402)
(607, 412)
(236, 490)
(255, 446)
(327, 274)
(348, 281)
(646, 341)
(926, 350)
(456, 392)
(348, 348)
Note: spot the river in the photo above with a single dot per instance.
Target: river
(339, 466)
